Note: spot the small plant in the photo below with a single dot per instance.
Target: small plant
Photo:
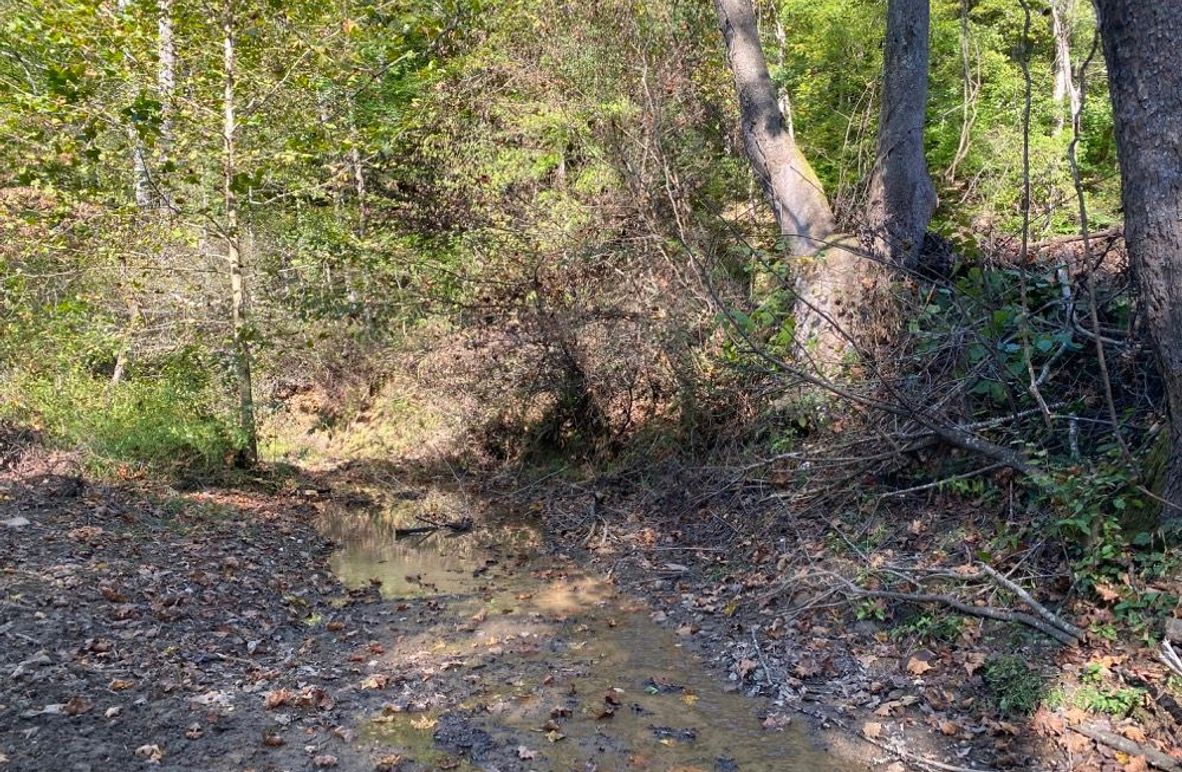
(934, 628)
(1016, 688)
(1114, 702)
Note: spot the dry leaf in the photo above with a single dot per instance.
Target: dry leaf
(526, 753)
(376, 681)
(949, 728)
(274, 699)
(1106, 593)
(77, 705)
(916, 666)
(324, 760)
(872, 729)
(150, 753)
(1134, 733)
(973, 662)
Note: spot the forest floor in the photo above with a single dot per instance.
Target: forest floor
(220, 629)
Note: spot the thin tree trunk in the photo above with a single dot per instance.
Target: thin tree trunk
(234, 246)
(1065, 90)
(141, 183)
(1143, 47)
(971, 87)
(165, 86)
(902, 198)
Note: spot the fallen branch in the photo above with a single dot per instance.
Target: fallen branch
(988, 612)
(1035, 606)
(462, 525)
(1125, 745)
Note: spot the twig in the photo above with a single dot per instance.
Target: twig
(938, 483)
(767, 671)
(988, 612)
(1125, 745)
(1029, 600)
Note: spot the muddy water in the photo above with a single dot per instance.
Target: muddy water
(550, 667)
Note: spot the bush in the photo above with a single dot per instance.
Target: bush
(164, 422)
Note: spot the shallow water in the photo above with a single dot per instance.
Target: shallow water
(558, 663)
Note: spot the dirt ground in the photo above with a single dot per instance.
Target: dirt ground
(280, 625)
(150, 628)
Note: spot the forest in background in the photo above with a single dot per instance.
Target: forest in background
(527, 236)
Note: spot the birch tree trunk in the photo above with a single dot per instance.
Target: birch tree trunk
(1143, 48)
(233, 241)
(902, 197)
(1065, 90)
(830, 277)
(166, 87)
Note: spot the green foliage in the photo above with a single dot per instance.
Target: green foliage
(166, 423)
(1015, 687)
(1095, 696)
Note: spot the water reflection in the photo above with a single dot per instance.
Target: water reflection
(578, 670)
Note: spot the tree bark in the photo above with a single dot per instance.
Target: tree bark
(165, 86)
(801, 208)
(1065, 89)
(232, 234)
(902, 197)
(832, 283)
(1143, 48)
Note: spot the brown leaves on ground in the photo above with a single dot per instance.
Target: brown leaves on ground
(308, 697)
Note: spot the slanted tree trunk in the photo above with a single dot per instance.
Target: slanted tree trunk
(902, 198)
(801, 208)
(1143, 48)
(233, 241)
(830, 277)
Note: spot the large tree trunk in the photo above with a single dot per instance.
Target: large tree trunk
(1143, 47)
(902, 198)
(233, 241)
(830, 277)
(801, 208)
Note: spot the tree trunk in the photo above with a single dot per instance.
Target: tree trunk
(801, 208)
(232, 236)
(831, 281)
(902, 198)
(1062, 12)
(165, 86)
(1143, 47)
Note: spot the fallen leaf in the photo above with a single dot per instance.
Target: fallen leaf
(77, 705)
(949, 728)
(526, 753)
(389, 763)
(872, 729)
(150, 753)
(1106, 593)
(376, 681)
(324, 760)
(917, 666)
(274, 699)
(974, 661)
(120, 684)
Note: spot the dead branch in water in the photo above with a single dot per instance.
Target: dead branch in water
(463, 525)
